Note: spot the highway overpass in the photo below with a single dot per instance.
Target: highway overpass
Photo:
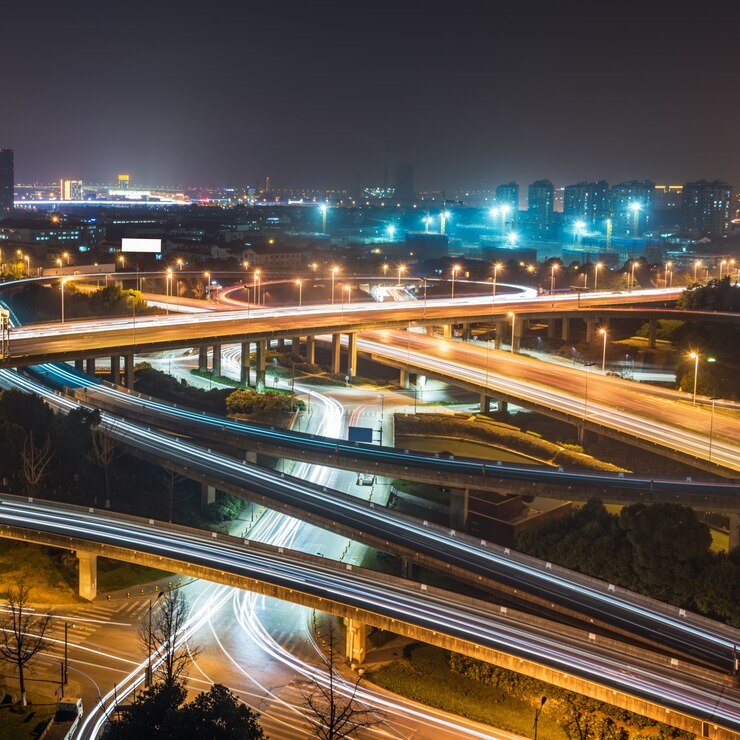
(658, 686)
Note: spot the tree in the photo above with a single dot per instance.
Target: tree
(34, 462)
(332, 703)
(22, 632)
(105, 449)
(152, 714)
(161, 635)
(218, 715)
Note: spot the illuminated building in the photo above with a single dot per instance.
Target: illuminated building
(706, 207)
(7, 182)
(70, 189)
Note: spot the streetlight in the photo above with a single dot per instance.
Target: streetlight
(722, 264)
(713, 399)
(256, 285)
(537, 711)
(66, 257)
(513, 329)
(348, 288)
(455, 268)
(603, 332)
(384, 267)
(635, 208)
(633, 266)
(208, 284)
(334, 271)
(64, 280)
(695, 357)
(179, 263)
(668, 271)
(401, 268)
(553, 270)
(299, 283)
(697, 265)
(496, 268)
(168, 287)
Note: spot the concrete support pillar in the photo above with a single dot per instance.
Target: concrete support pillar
(336, 344)
(516, 334)
(128, 370)
(447, 331)
(80, 365)
(551, 328)
(281, 344)
(217, 359)
(590, 329)
(251, 457)
(459, 500)
(485, 403)
(502, 406)
(652, 333)
(90, 366)
(207, 495)
(734, 531)
(356, 641)
(88, 574)
(261, 364)
(565, 330)
(465, 332)
(403, 378)
(429, 330)
(203, 358)
(500, 332)
(115, 369)
(244, 364)
(310, 350)
(295, 345)
(352, 354)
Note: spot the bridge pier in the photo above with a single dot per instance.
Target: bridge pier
(244, 364)
(516, 336)
(250, 456)
(459, 503)
(203, 358)
(590, 329)
(336, 350)
(207, 495)
(403, 378)
(734, 531)
(115, 370)
(356, 641)
(565, 330)
(352, 354)
(217, 359)
(652, 333)
(447, 331)
(500, 332)
(80, 365)
(90, 366)
(465, 332)
(407, 568)
(311, 350)
(551, 328)
(128, 370)
(502, 406)
(261, 364)
(485, 403)
(87, 574)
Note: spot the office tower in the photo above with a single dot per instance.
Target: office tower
(405, 194)
(7, 182)
(508, 195)
(70, 189)
(587, 202)
(706, 207)
(540, 207)
(123, 181)
(631, 207)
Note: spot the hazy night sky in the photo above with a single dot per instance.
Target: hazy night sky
(319, 94)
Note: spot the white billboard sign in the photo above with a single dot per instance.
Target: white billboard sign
(142, 245)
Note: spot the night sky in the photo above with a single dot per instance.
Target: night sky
(323, 93)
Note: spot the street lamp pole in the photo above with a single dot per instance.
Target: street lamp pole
(333, 274)
(713, 399)
(63, 281)
(696, 267)
(299, 283)
(597, 267)
(603, 352)
(455, 268)
(513, 330)
(496, 268)
(537, 711)
(553, 268)
(401, 268)
(695, 357)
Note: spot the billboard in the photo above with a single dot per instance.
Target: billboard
(141, 245)
(360, 434)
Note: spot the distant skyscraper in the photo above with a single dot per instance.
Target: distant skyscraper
(70, 189)
(405, 194)
(7, 182)
(124, 181)
(540, 207)
(627, 197)
(706, 207)
(508, 195)
(587, 202)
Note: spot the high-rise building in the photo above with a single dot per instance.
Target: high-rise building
(124, 181)
(706, 207)
(508, 195)
(70, 189)
(631, 207)
(540, 207)
(7, 182)
(587, 202)
(405, 194)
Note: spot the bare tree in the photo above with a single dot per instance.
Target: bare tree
(161, 636)
(105, 449)
(22, 632)
(333, 706)
(171, 479)
(35, 460)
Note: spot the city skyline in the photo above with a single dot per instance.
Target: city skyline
(318, 99)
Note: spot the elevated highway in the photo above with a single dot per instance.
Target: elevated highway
(682, 695)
